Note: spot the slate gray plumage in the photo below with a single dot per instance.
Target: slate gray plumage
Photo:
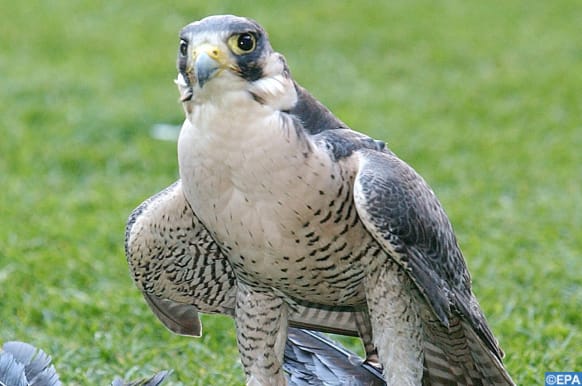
(312, 358)
(285, 215)
(22, 364)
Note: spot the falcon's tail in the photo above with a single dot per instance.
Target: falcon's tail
(458, 356)
(313, 359)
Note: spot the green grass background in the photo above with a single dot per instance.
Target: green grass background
(484, 99)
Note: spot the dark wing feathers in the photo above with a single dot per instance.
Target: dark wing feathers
(391, 201)
(404, 215)
(313, 116)
(313, 359)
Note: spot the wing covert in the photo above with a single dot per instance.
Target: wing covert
(403, 214)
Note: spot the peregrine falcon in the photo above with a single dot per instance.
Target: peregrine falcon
(283, 215)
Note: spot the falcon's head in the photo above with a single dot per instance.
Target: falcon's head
(225, 53)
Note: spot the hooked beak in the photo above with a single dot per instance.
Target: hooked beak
(205, 67)
(207, 62)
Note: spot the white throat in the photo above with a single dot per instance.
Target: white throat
(234, 131)
(235, 142)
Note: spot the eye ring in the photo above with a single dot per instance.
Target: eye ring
(183, 49)
(242, 43)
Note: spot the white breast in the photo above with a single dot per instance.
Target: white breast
(246, 174)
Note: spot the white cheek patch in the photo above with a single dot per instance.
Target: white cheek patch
(277, 92)
(276, 89)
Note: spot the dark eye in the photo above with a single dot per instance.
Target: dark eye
(242, 43)
(246, 42)
(183, 47)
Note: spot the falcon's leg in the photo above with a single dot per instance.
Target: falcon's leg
(261, 328)
(396, 325)
(364, 327)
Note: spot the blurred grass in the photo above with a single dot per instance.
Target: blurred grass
(482, 98)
